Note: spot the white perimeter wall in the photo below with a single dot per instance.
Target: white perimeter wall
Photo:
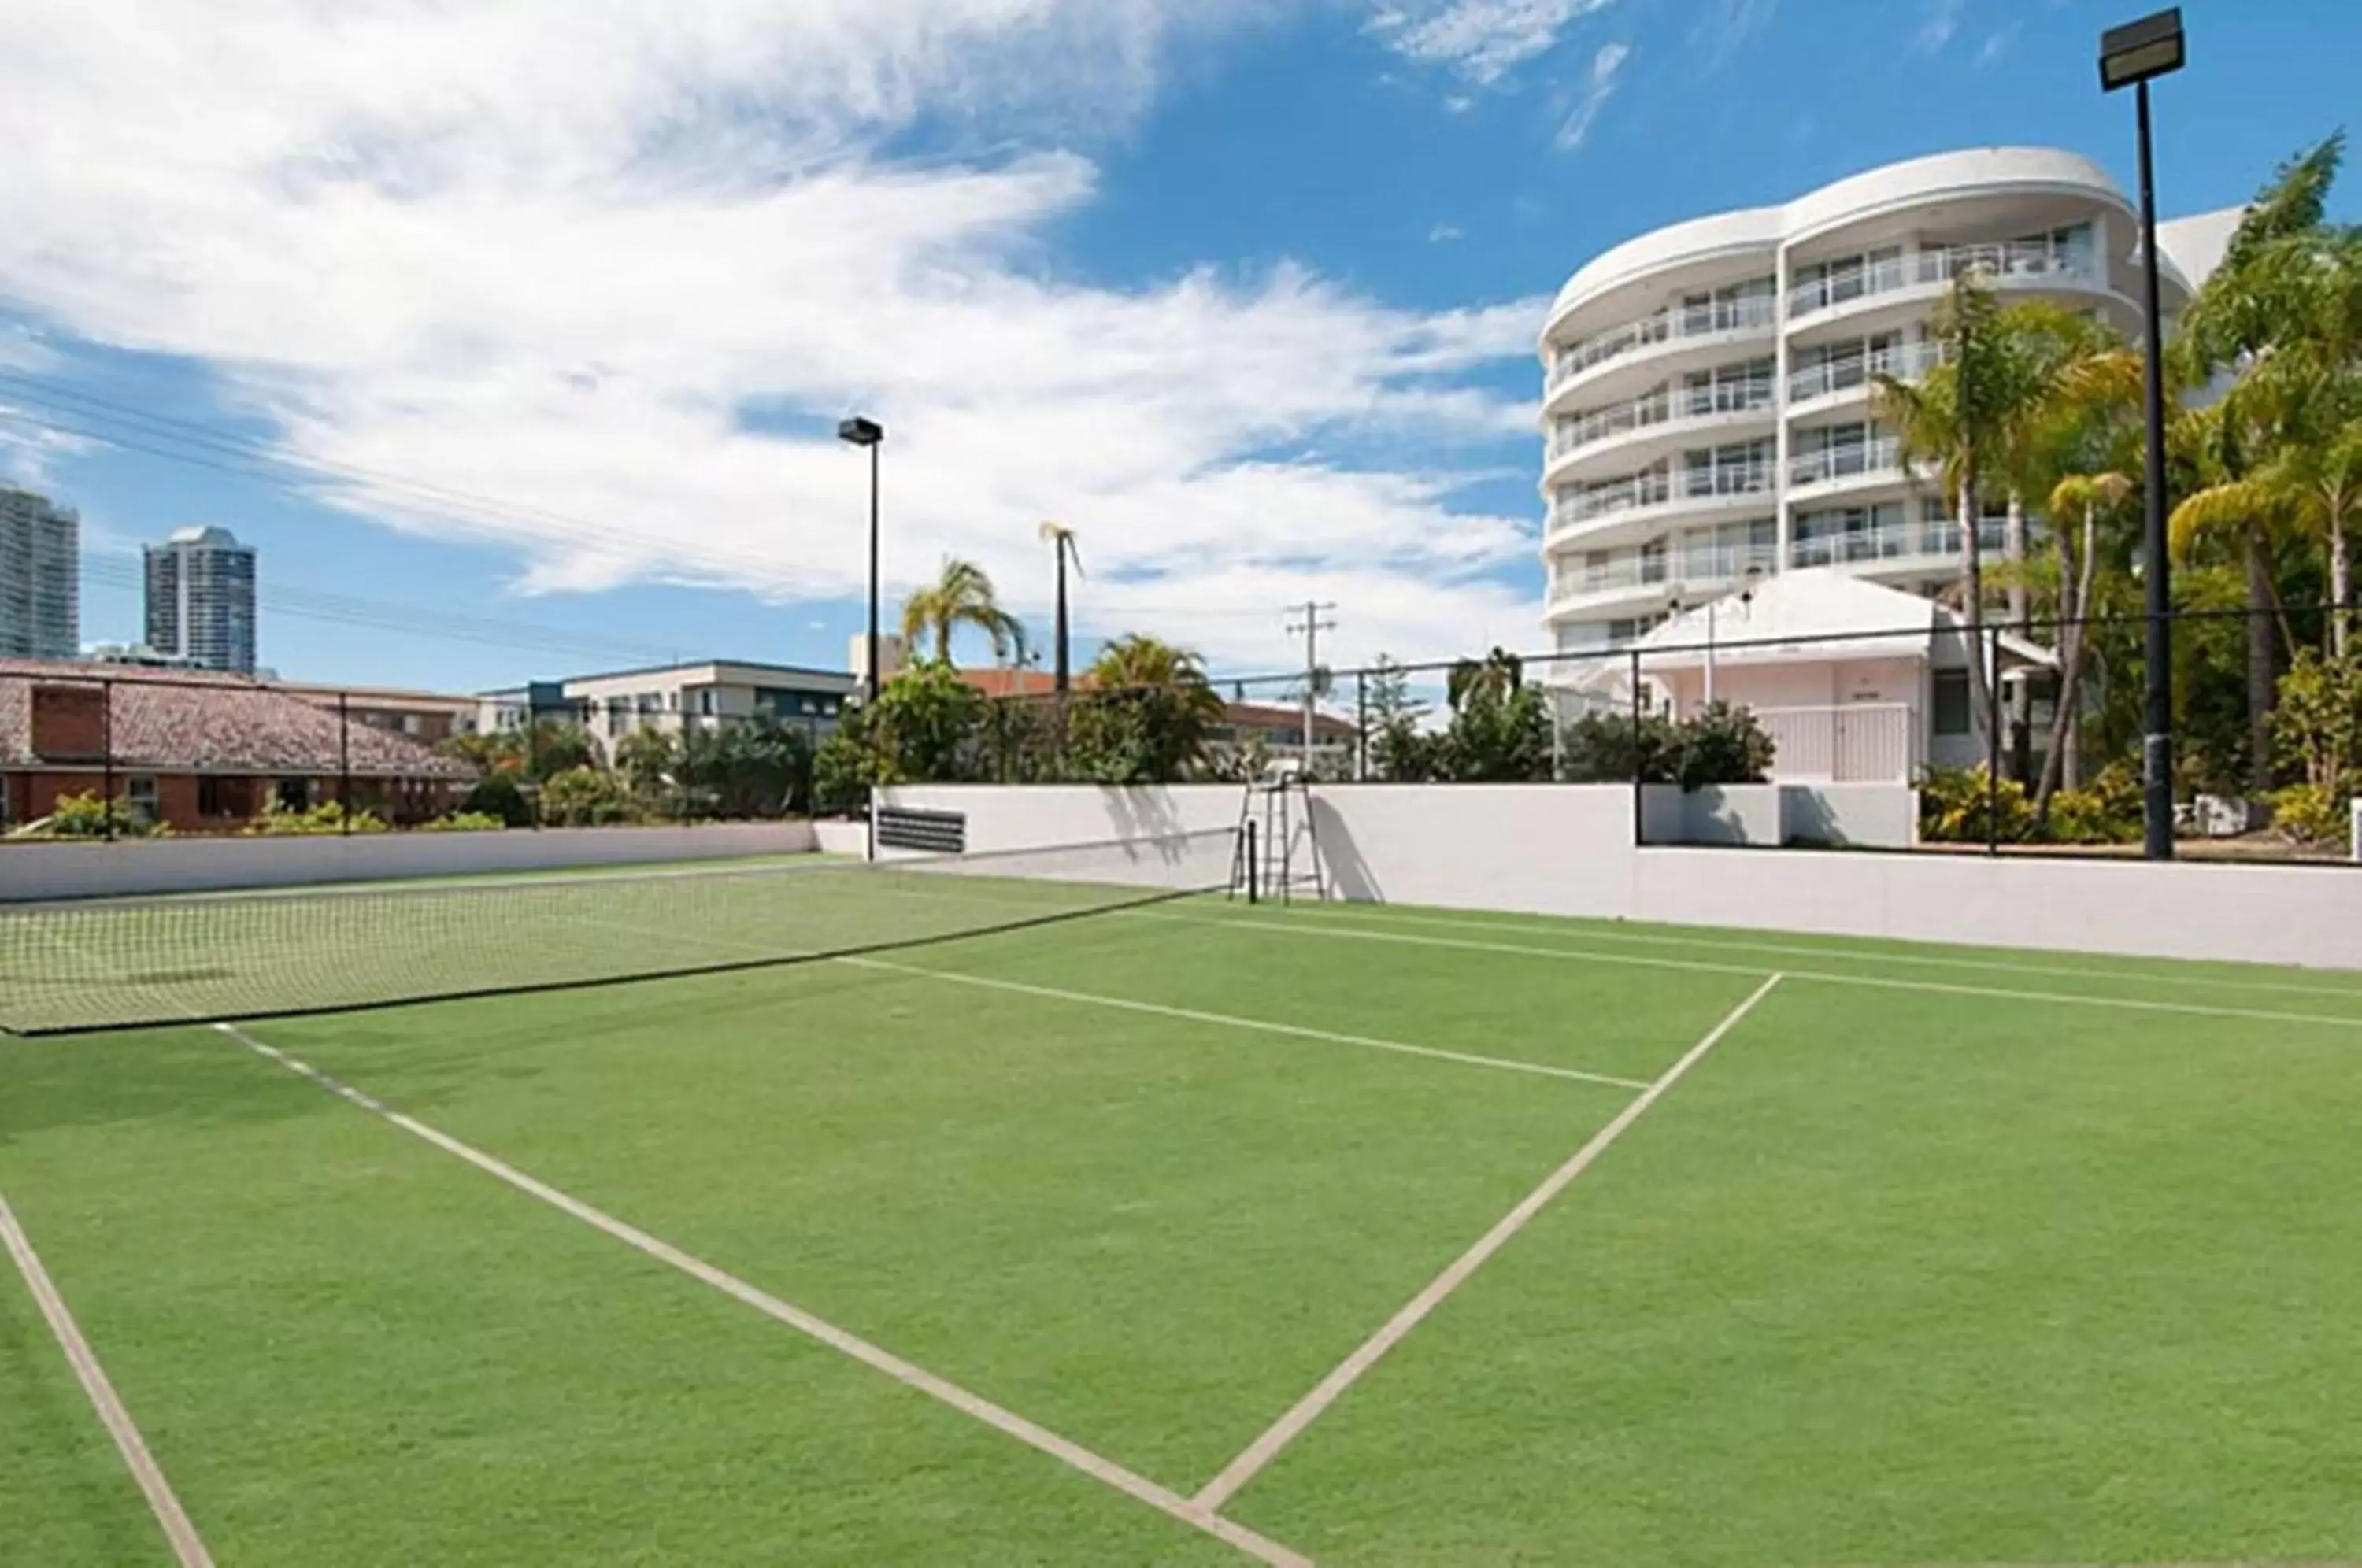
(188, 864)
(1567, 849)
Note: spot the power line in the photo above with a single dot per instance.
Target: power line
(255, 457)
(384, 615)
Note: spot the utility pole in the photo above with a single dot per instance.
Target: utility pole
(1312, 625)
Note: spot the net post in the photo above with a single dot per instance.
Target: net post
(106, 760)
(1254, 869)
(344, 766)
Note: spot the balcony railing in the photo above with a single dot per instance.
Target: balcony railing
(1906, 363)
(1573, 435)
(2001, 263)
(1847, 461)
(1702, 564)
(1900, 541)
(1659, 408)
(1742, 315)
(1745, 479)
(1626, 572)
(1606, 499)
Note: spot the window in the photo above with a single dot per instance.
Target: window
(1951, 702)
(140, 792)
(412, 724)
(708, 703)
(220, 798)
(294, 794)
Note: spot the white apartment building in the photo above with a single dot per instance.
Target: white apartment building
(40, 577)
(698, 695)
(200, 599)
(1707, 399)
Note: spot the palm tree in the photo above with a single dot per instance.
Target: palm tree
(1960, 419)
(2278, 315)
(1170, 706)
(2084, 498)
(1061, 540)
(961, 596)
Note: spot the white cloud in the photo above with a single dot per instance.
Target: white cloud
(1598, 86)
(1939, 20)
(1725, 27)
(555, 251)
(1996, 46)
(1482, 39)
(1444, 233)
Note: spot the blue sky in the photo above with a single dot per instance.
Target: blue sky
(557, 302)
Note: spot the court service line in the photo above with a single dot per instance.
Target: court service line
(1266, 1448)
(1232, 1021)
(1792, 950)
(1197, 1515)
(1192, 1015)
(188, 1548)
(1828, 976)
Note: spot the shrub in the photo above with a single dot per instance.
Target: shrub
(498, 796)
(1959, 805)
(328, 817)
(587, 797)
(2106, 810)
(465, 821)
(1721, 745)
(2311, 814)
(86, 816)
(1609, 748)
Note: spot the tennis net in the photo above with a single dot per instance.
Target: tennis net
(206, 959)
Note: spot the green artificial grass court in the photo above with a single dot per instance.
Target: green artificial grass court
(1939, 1256)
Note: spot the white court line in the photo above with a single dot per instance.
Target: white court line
(1197, 1515)
(1193, 1016)
(1583, 955)
(1790, 950)
(187, 1546)
(1285, 1431)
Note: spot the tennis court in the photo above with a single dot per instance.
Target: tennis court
(1067, 1213)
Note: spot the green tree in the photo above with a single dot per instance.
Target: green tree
(585, 797)
(648, 760)
(961, 596)
(1500, 729)
(924, 727)
(748, 768)
(1148, 716)
(2318, 723)
(2277, 317)
(1401, 747)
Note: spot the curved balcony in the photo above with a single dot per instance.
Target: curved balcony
(1925, 273)
(1876, 461)
(1902, 548)
(1638, 506)
(1631, 431)
(1838, 382)
(1652, 578)
(1655, 339)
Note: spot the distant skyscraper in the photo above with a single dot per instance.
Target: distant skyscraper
(40, 577)
(200, 599)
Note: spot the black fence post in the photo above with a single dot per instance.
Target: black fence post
(1638, 794)
(1254, 870)
(1990, 651)
(107, 749)
(344, 764)
(1361, 727)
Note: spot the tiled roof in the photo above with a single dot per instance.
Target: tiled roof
(191, 721)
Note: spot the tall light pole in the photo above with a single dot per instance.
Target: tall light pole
(860, 431)
(2129, 56)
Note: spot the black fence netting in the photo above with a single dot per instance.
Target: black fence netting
(98, 752)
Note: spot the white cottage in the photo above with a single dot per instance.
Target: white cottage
(1857, 683)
